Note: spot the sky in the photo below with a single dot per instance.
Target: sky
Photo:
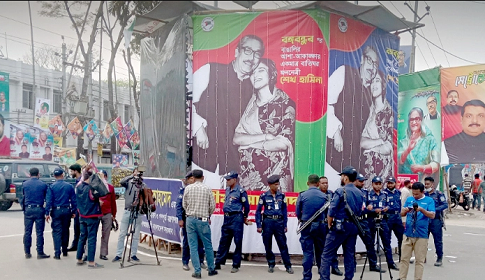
(454, 26)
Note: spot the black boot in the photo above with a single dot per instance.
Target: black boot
(439, 261)
(337, 271)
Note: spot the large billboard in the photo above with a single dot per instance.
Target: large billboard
(419, 125)
(463, 108)
(362, 99)
(259, 96)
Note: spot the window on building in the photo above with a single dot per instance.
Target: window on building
(28, 97)
(127, 113)
(105, 110)
(57, 99)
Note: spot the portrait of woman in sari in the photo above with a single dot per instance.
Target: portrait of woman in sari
(266, 132)
(376, 140)
(418, 151)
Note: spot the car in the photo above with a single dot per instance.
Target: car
(13, 172)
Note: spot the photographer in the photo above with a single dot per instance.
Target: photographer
(418, 209)
(133, 185)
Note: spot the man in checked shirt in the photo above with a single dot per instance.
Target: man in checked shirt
(199, 204)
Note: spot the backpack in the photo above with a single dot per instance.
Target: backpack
(98, 187)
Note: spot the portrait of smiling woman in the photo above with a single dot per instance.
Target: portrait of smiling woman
(266, 132)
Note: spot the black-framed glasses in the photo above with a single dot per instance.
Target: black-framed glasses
(249, 51)
(369, 61)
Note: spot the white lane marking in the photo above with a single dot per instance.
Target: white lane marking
(475, 234)
(21, 234)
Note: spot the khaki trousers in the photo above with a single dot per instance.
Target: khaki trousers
(420, 248)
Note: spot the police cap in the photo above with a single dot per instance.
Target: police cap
(361, 178)
(349, 170)
(273, 179)
(377, 179)
(58, 171)
(231, 175)
(189, 174)
(391, 179)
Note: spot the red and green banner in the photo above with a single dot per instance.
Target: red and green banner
(259, 96)
(419, 126)
(362, 100)
(463, 109)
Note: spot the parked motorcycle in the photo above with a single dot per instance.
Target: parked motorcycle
(459, 198)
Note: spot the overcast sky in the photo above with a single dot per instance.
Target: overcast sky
(459, 24)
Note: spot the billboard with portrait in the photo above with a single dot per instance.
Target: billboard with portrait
(419, 125)
(362, 99)
(463, 111)
(404, 59)
(4, 93)
(42, 110)
(259, 96)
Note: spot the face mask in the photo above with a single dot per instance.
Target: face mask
(428, 189)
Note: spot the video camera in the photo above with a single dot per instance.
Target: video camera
(138, 179)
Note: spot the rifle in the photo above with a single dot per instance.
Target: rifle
(352, 215)
(318, 213)
(442, 219)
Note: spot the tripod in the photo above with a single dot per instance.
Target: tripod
(378, 221)
(131, 232)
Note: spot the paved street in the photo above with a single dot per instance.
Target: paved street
(463, 241)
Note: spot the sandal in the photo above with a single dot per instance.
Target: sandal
(80, 263)
(96, 265)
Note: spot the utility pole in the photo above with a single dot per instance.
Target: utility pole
(33, 56)
(90, 105)
(99, 82)
(413, 44)
(417, 19)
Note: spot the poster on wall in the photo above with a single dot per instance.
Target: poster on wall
(404, 59)
(4, 93)
(419, 125)
(260, 81)
(19, 141)
(56, 126)
(42, 110)
(120, 160)
(463, 111)
(136, 157)
(91, 130)
(41, 143)
(362, 100)
(75, 128)
(66, 156)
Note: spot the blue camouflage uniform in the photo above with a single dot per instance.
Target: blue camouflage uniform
(313, 236)
(343, 231)
(367, 237)
(393, 215)
(34, 193)
(185, 242)
(273, 222)
(60, 205)
(236, 210)
(379, 201)
(435, 225)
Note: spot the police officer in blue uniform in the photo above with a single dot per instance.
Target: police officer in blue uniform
(61, 206)
(312, 237)
(377, 206)
(367, 237)
(436, 224)
(342, 230)
(34, 193)
(393, 214)
(273, 223)
(323, 185)
(236, 210)
(189, 179)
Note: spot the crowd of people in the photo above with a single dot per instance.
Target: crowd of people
(331, 219)
(63, 203)
(328, 220)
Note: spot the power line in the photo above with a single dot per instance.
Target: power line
(430, 51)
(439, 37)
(421, 52)
(447, 51)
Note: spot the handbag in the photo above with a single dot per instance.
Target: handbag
(98, 187)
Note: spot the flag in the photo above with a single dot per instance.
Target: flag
(127, 33)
